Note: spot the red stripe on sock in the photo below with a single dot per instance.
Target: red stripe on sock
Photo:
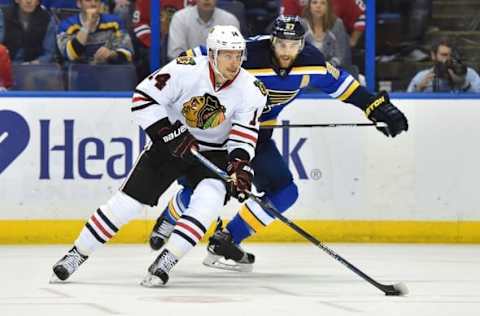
(190, 229)
(97, 223)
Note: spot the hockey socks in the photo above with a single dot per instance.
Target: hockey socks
(187, 233)
(205, 204)
(106, 221)
(177, 205)
(98, 230)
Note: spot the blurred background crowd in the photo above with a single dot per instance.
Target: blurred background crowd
(104, 45)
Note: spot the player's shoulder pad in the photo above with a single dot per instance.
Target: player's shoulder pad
(185, 60)
(257, 52)
(253, 87)
(197, 51)
(184, 65)
(261, 87)
(258, 39)
(310, 56)
(257, 43)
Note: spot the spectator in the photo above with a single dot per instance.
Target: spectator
(143, 32)
(94, 37)
(123, 9)
(351, 12)
(5, 69)
(28, 31)
(448, 73)
(326, 32)
(141, 18)
(293, 7)
(189, 27)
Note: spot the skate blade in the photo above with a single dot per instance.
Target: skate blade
(218, 262)
(55, 280)
(151, 281)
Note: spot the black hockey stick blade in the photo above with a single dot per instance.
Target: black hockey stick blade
(399, 289)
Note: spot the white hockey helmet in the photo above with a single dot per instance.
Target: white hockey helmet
(224, 37)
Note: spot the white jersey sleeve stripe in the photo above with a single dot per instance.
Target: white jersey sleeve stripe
(342, 87)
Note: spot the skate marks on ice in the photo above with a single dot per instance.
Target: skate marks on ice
(444, 280)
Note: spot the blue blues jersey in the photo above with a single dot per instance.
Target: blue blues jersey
(309, 70)
(110, 32)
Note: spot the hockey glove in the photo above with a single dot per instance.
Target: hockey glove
(242, 175)
(179, 141)
(381, 110)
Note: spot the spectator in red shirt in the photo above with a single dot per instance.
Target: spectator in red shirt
(5, 69)
(141, 18)
(143, 32)
(352, 13)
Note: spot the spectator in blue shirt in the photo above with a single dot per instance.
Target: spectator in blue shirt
(94, 37)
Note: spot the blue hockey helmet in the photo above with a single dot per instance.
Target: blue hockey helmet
(288, 27)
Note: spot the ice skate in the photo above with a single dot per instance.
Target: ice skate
(224, 254)
(160, 233)
(64, 268)
(157, 274)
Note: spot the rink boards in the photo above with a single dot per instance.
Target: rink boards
(63, 157)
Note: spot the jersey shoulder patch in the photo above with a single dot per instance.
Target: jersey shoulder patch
(185, 60)
(333, 71)
(261, 87)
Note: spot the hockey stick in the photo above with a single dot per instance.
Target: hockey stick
(323, 125)
(398, 289)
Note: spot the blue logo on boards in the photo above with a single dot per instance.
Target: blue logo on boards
(14, 137)
(294, 153)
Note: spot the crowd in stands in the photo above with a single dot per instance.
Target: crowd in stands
(70, 39)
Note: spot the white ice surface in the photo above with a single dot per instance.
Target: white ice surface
(288, 279)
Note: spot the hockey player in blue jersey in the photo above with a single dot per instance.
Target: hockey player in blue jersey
(286, 65)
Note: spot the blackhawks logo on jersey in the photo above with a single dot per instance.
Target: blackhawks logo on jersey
(204, 112)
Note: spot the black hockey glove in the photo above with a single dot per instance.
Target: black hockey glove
(242, 175)
(381, 110)
(179, 141)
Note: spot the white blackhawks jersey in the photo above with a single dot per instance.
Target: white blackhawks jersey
(184, 90)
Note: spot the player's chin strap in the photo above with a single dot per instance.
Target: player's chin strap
(215, 66)
(390, 290)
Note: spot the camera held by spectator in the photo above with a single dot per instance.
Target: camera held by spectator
(453, 70)
(448, 74)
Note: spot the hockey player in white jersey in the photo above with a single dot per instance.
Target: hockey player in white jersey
(207, 103)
